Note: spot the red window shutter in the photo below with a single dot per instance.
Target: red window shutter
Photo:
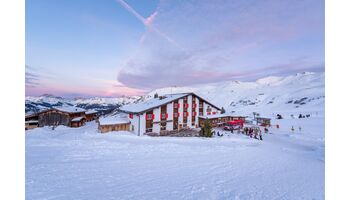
(178, 114)
(152, 116)
(146, 116)
(160, 116)
(166, 115)
(208, 113)
(131, 115)
(178, 105)
(186, 105)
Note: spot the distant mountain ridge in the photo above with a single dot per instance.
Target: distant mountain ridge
(294, 93)
(36, 104)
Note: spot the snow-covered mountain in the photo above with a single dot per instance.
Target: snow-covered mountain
(35, 104)
(301, 92)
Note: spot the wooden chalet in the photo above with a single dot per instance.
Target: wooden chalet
(91, 115)
(67, 116)
(113, 124)
(31, 121)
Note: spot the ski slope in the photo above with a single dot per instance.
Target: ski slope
(81, 163)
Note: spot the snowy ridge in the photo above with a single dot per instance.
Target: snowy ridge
(294, 93)
(36, 104)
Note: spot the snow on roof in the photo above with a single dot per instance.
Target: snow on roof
(113, 120)
(263, 118)
(31, 121)
(70, 109)
(91, 112)
(152, 103)
(77, 119)
(219, 115)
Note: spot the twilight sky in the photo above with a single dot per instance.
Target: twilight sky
(128, 47)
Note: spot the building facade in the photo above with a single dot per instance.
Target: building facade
(66, 115)
(168, 113)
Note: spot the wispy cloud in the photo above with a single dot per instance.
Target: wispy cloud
(224, 40)
(32, 78)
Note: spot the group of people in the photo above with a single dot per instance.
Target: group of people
(254, 132)
(292, 129)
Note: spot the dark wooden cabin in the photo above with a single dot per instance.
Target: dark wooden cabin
(91, 115)
(67, 116)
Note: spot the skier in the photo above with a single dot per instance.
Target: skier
(256, 133)
(299, 128)
(277, 126)
(250, 132)
(266, 130)
(218, 134)
(260, 134)
(246, 130)
(292, 128)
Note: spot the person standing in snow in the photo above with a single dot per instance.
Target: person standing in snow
(250, 132)
(255, 131)
(266, 130)
(299, 128)
(292, 129)
(260, 134)
(277, 126)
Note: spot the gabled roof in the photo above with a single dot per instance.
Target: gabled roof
(156, 102)
(113, 120)
(77, 119)
(69, 109)
(91, 112)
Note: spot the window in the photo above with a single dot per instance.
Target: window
(164, 116)
(185, 114)
(194, 105)
(200, 113)
(149, 116)
(176, 115)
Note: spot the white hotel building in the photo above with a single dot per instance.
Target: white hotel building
(168, 113)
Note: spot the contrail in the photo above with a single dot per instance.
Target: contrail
(144, 21)
(132, 11)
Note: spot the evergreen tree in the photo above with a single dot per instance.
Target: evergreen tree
(156, 95)
(206, 130)
(223, 110)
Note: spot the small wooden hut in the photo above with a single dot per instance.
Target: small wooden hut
(263, 121)
(91, 115)
(113, 124)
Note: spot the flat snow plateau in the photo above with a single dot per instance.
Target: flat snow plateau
(80, 163)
